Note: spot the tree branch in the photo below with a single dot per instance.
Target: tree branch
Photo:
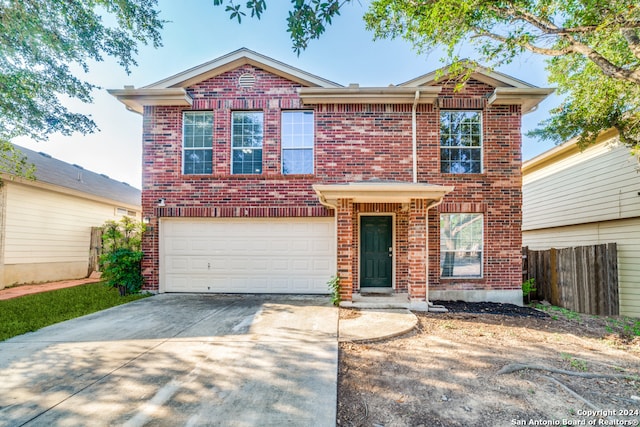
(530, 47)
(631, 36)
(538, 22)
(607, 67)
(515, 367)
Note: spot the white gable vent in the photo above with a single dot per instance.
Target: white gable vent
(247, 81)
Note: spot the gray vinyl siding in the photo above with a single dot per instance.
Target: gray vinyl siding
(600, 184)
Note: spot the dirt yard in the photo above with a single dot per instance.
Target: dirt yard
(459, 369)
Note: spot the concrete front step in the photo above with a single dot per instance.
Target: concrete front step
(390, 301)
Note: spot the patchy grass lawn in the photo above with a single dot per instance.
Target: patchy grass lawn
(32, 312)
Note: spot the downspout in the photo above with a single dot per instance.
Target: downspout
(414, 136)
(324, 202)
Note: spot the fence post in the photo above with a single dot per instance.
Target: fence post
(553, 282)
(95, 249)
(612, 279)
(525, 263)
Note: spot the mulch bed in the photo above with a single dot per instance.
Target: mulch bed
(491, 308)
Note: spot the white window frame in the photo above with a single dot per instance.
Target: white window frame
(453, 147)
(233, 114)
(204, 148)
(297, 148)
(480, 249)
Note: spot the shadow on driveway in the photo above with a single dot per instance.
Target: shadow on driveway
(178, 360)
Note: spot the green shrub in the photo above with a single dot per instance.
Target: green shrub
(122, 269)
(528, 288)
(334, 288)
(121, 259)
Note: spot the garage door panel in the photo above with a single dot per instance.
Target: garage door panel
(321, 265)
(292, 255)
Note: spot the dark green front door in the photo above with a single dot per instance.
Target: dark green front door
(376, 256)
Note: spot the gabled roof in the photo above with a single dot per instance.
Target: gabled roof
(316, 90)
(482, 74)
(172, 90)
(508, 90)
(234, 60)
(77, 179)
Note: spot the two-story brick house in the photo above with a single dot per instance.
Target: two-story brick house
(259, 177)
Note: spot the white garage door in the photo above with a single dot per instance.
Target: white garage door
(247, 255)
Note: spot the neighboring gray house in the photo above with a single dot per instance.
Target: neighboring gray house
(45, 225)
(578, 198)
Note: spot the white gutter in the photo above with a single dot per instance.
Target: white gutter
(414, 136)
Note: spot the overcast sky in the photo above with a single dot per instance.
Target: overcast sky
(199, 32)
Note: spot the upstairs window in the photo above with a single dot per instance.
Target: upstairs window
(461, 245)
(460, 142)
(246, 142)
(297, 142)
(197, 142)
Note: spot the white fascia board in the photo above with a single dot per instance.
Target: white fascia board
(482, 74)
(236, 59)
(137, 99)
(529, 98)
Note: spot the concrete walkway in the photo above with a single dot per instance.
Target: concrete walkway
(375, 324)
(176, 360)
(21, 290)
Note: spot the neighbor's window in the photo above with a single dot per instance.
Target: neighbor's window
(197, 142)
(297, 142)
(461, 245)
(246, 142)
(460, 142)
(125, 212)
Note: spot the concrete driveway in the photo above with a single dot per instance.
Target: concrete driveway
(178, 360)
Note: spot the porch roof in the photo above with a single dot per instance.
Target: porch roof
(379, 192)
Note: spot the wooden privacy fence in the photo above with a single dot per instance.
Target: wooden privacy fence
(95, 249)
(582, 279)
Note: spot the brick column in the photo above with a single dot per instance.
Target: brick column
(417, 250)
(345, 247)
(150, 259)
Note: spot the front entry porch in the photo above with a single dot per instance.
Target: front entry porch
(382, 241)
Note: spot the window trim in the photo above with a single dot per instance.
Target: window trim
(313, 146)
(481, 249)
(480, 147)
(183, 148)
(120, 211)
(232, 148)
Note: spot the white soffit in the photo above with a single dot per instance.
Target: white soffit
(379, 192)
(137, 99)
(529, 98)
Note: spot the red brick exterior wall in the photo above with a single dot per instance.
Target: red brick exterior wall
(352, 143)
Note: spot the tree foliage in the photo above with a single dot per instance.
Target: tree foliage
(13, 162)
(592, 47)
(593, 50)
(43, 43)
(307, 19)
